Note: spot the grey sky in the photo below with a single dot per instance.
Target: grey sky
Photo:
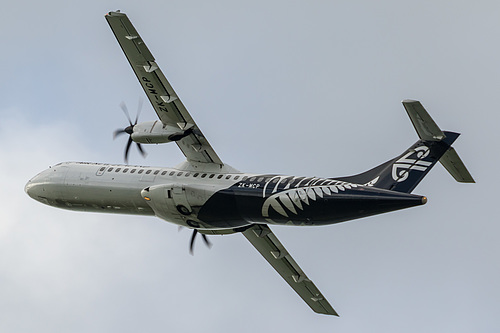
(280, 86)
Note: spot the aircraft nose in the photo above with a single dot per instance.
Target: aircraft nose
(34, 188)
(39, 186)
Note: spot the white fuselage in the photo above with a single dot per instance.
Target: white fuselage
(109, 188)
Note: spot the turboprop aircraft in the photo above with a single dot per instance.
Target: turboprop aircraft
(212, 198)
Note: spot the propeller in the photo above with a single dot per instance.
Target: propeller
(130, 129)
(193, 237)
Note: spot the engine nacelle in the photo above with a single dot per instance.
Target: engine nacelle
(178, 203)
(150, 132)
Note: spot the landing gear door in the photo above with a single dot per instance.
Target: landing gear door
(179, 200)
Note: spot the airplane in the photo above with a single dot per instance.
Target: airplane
(212, 198)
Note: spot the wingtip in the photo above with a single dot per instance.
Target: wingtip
(114, 13)
(333, 313)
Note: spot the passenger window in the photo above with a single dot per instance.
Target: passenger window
(236, 178)
(219, 176)
(211, 175)
(110, 169)
(251, 179)
(141, 171)
(156, 172)
(133, 170)
(148, 172)
(102, 169)
(179, 174)
(125, 170)
(228, 176)
(171, 173)
(187, 174)
(196, 175)
(260, 179)
(203, 175)
(245, 177)
(118, 169)
(163, 173)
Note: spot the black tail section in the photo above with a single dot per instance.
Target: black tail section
(405, 172)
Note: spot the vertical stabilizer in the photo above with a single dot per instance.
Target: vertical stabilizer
(405, 172)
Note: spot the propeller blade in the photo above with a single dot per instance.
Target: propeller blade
(193, 237)
(123, 106)
(139, 109)
(130, 129)
(118, 132)
(206, 241)
(191, 244)
(143, 153)
(129, 142)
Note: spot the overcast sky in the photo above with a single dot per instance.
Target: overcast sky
(277, 87)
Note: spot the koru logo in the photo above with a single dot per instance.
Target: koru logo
(412, 160)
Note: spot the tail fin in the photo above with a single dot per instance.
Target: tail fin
(405, 172)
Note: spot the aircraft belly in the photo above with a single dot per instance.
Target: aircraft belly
(335, 209)
(105, 198)
(308, 205)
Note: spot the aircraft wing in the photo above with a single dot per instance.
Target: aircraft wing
(264, 240)
(162, 96)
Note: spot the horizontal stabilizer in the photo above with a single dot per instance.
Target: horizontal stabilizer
(452, 162)
(426, 128)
